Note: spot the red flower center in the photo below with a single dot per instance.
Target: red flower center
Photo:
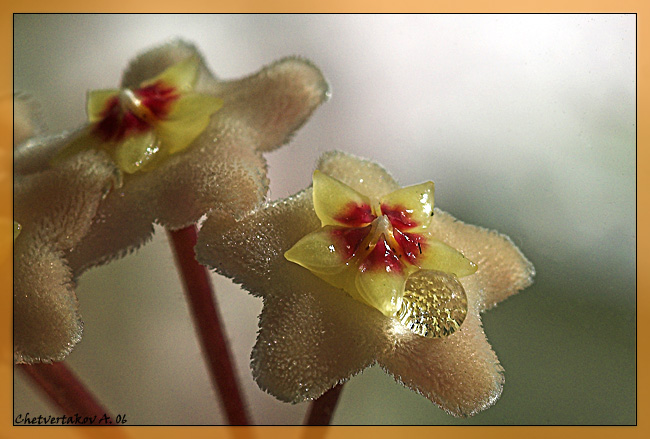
(359, 221)
(134, 112)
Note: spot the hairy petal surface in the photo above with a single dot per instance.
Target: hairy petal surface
(502, 269)
(362, 175)
(270, 105)
(312, 338)
(460, 373)
(47, 324)
(55, 209)
(312, 335)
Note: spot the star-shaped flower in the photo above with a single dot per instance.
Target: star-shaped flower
(53, 211)
(185, 142)
(418, 315)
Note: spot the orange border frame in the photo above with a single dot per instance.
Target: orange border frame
(640, 7)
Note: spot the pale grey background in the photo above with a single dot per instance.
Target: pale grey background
(526, 123)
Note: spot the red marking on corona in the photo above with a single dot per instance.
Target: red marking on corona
(157, 98)
(119, 122)
(356, 215)
(399, 218)
(411, 245)
(383, 258)
(349, 239)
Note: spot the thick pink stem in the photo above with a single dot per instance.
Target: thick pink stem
(197, 286)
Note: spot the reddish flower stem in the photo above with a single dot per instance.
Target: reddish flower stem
(322, 409)
(65, 390)
(204, 310)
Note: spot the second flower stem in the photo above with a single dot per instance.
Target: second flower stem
(322, 409)
(66, 390)
(203, 307)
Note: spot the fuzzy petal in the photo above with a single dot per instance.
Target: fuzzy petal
(60, 204)
(311, 338)
(460, 373)
(364, 176)
(251, 250)
(55, 209)
(120, 227)
(155, 61)
(273, 103)
(47, 324)
(502, 268)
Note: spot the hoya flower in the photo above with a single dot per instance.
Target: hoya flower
(53, 211)
(184, 143)
(356, 271)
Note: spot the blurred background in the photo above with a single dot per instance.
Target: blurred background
(526, 123)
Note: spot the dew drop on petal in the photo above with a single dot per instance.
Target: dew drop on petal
(434, 304)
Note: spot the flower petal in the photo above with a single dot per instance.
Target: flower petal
(55, 209)
(502, 268)
(61, 203)
(460, 373)
(312, 335)
(312, 338)
(120, 227)
(409, 208)
(434, 304)
(189, 117)
(270, 105)
(364, 176)
(337, 204)
(251, 250)
(45, 310)
(174, 194)
(155, 61)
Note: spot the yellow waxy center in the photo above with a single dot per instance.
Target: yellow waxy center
(140, 127)
(372, 247)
